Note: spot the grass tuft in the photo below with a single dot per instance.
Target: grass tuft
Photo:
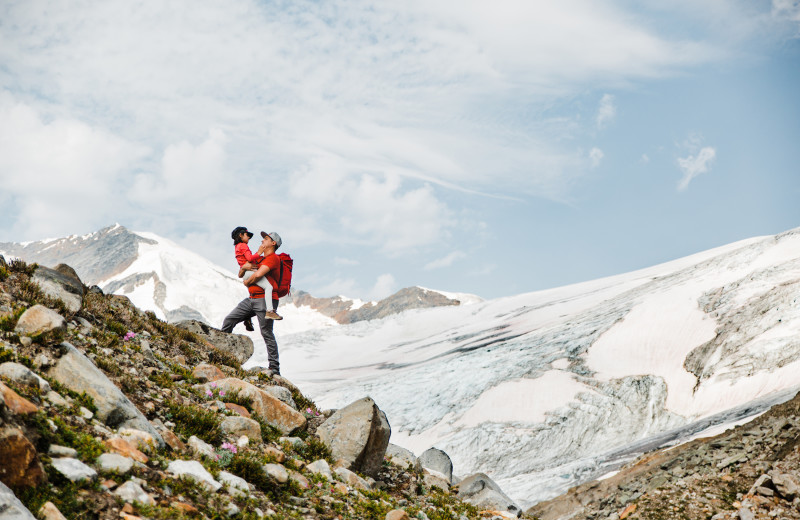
(192, 420)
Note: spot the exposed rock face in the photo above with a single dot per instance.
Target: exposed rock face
(98, 257)
(358, 434)
(241, 347)
(483, 493)
(62, 284)
(437, 460)
(402, 456)
(20, 463)
(78, 373)
(15, 402)
(272, 410)
(39, 320)
(10, 506)
(341, 309)
(205, 372)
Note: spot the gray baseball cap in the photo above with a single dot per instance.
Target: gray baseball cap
(274, 236)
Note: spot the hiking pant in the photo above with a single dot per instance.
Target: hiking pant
(248, 308)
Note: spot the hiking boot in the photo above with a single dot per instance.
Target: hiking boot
(272, 315)
(248, 325)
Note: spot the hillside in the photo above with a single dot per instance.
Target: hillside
(108, 412)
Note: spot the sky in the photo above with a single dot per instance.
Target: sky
(493, 148)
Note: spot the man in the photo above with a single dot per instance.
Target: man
(255, 304)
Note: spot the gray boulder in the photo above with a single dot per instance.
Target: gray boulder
(281, 393)
(241, 347)
(78, 373)
(194, 470)
(61, 283)
(10, 506)
(436, 460)
(402, 457)
(73, 469)
(22, 375)
(483, 493)
(358, 434)
(39, 320)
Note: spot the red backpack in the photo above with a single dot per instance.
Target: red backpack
(285, 275)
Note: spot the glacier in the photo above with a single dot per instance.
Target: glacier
(545, 390)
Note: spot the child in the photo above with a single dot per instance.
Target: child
(244, 256)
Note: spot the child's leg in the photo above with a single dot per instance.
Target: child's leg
(263, 283)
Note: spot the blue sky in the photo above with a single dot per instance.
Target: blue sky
(493, 148)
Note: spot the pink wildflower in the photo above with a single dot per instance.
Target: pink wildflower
(213, 385)
(221, 393)
(209, 393)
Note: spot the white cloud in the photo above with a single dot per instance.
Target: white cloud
(694, 165)
(445, 261)
(645, 158)
(606, 111)
(788, 10)
(384, 286)
(62, 174)
(595, 156)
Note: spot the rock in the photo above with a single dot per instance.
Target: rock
(49, 511)
(232, 482)
(281, 393)
(62, 451)
(62, 284)
(206, 373)
(73, 469)
(21, 466)
(275, 453)
(124, 448)
(483, 493)
(22, 375)
(78, 373)
(171, 439)
(200, 446)
(402, 457)
(297, 442)
(359, 434)
(276, 472)
(131, 492)
(232, 509)
(56, 399)
(299, 479)
(142, 440)
(39, 320)
(321, 467)
(351, 478)
(193, 470)
(272, 410)
(238, 426)
(241, 410)
(397, 514)
(15, 402)
(435, 479)
(10, 506)
(114, 462)
(787, 485)
(241, 347)
(185, 508)
(437, 460)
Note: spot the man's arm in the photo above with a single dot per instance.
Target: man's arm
(260, 272)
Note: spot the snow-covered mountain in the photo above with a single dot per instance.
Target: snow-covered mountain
(159, 275)
(548, 389)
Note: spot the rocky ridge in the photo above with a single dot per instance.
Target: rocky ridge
(751, 472)
(108, 412)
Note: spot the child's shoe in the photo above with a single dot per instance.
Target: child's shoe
(272, 315)
(248, 325)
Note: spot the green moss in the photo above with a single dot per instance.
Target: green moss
(314, 449)
(88, 447)
(192, 420)
(9, 321)
(64, 497)
(116, 327)
(223, 358)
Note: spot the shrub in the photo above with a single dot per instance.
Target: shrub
(313, 449)
(191, 420)
(20, 266)
(216, 355)
(9, 321)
